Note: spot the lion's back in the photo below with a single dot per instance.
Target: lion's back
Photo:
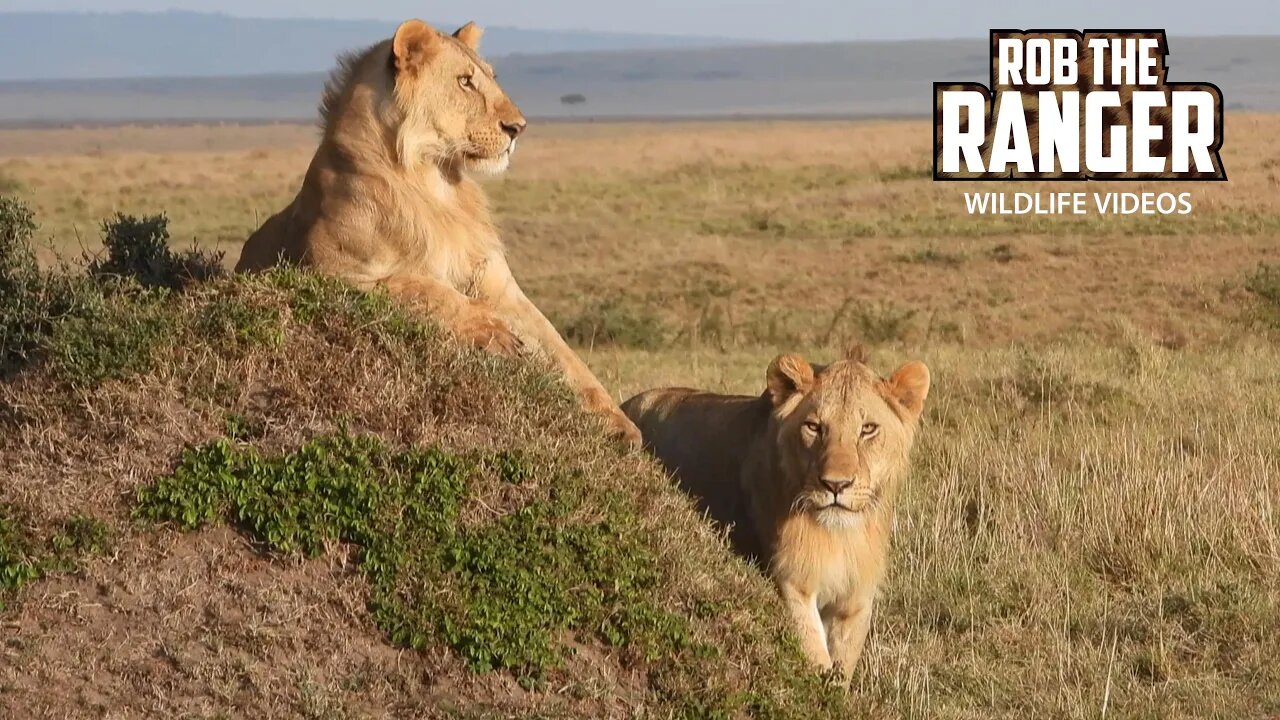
(268, 246)
(703, 440)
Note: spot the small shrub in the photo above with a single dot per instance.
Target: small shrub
(10, 185)
(18, 563)
(906, 172)
(768, 222)
(238, 322)
(138, 248)
(1264, 285)
(17, 227)
(933, 256)
(882, 322)
(25, 558)
(1042, 383)
(323, 302)
(21, 301)
(617, 322)
(1003, 253)
(82, 535)
(242, 428)
(113, 338)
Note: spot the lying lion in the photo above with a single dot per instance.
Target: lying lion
(387, 201)
(805, 475)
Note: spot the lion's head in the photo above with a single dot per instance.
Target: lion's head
(444, 103)
(843, 433)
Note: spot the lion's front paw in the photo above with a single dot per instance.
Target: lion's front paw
(489, 333)
(621, 427)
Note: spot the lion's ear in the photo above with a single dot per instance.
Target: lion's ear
(908, 387)
(470, 35)
(788, 375)
(414, 43)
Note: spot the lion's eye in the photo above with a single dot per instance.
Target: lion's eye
(813, 426)
(467, 82)
(869, 429)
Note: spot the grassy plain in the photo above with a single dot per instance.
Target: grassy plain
(1093, 527)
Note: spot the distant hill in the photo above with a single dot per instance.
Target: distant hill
(847, 79)
(46, 46)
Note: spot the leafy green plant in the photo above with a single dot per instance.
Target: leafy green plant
(82, 535)
(25, 558)
(18, 564)
(500, 595)
(89, 329)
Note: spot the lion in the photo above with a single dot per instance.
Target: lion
(389, 200)
(805, 476)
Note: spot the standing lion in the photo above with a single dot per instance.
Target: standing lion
(806, 476)
(388, 201)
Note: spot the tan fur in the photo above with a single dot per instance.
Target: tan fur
(388, 200)
(759, 464)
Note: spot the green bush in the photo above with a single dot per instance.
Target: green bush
(501, 595)
(22, 304)
(138, 248)
(103, 325)
(109, 340)
(615, 321)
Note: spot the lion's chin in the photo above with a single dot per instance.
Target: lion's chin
(837, 517)
(490, 166)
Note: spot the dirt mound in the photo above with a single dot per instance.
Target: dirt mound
(278, 497)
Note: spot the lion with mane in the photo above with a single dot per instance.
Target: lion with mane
(389, 202)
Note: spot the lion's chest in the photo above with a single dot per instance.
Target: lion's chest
(829, 564)
(450, 247)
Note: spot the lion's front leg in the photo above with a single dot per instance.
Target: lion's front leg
(803, 608)
(511, 304)
(849, 621)
(467, 319)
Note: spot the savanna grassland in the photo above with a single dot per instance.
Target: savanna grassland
(1092, 528)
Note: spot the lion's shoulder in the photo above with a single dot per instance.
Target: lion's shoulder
(687, 413)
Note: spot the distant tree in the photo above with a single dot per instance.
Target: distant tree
(573, 99)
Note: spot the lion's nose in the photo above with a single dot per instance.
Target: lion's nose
(514, 129)
(836, 485)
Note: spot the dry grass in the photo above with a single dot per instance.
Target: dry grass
(1087, 527)
(731, 229)
(1092, 526)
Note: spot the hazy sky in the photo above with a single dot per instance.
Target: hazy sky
(791, 20)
